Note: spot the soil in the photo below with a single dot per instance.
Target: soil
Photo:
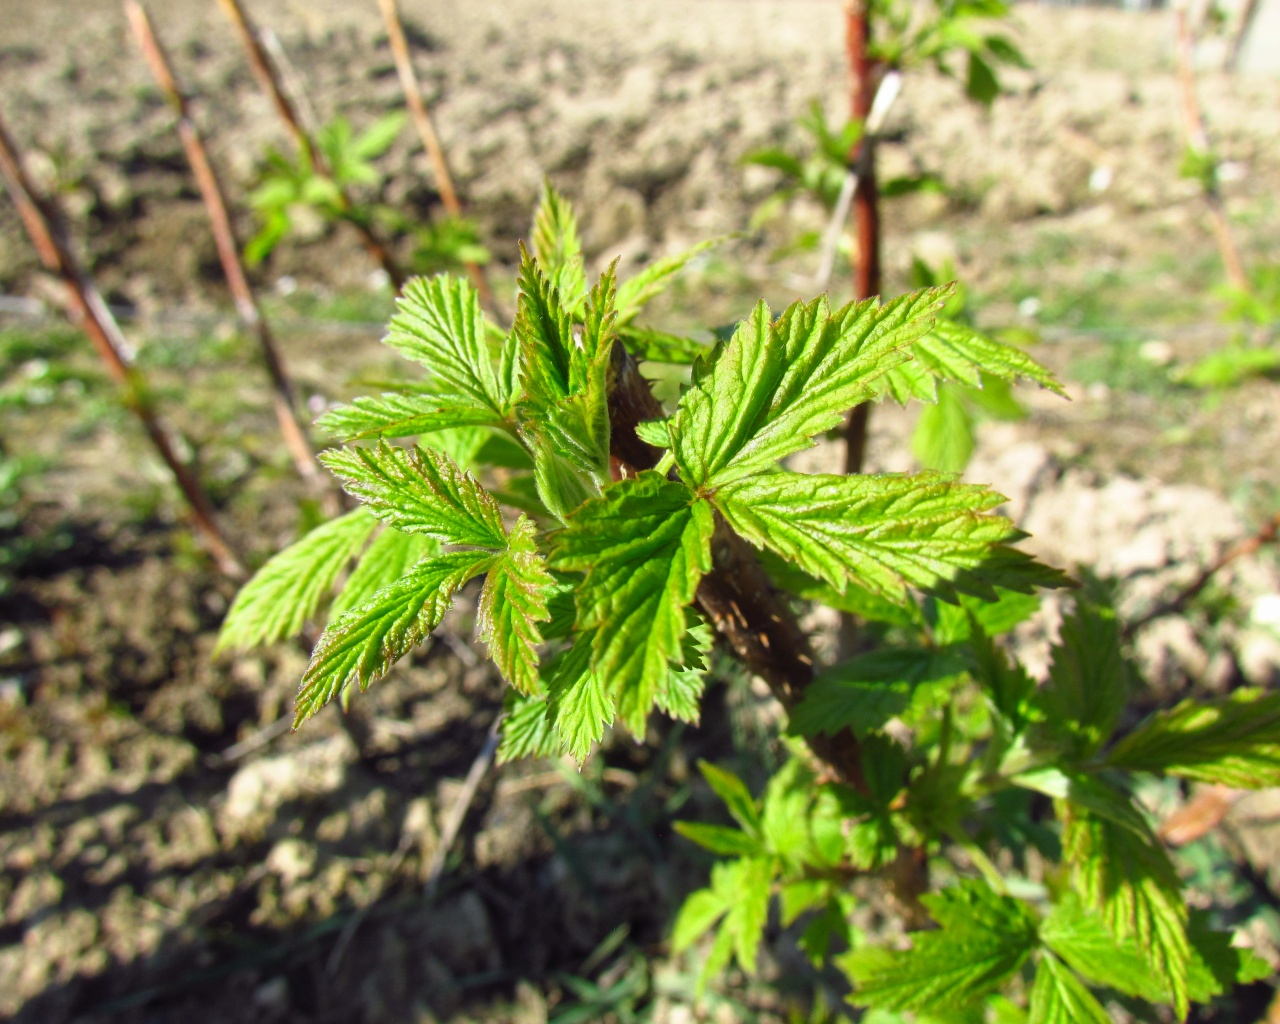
(149, 877)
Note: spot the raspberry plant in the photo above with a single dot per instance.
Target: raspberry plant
(619, 542)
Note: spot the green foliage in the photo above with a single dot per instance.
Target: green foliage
(775, 386)
(594, 607)
(324, 182)
(1234, 741)
(905, 35)
(320, 180)
(984, 940)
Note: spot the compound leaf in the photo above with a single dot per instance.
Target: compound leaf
(291, 586)
(420, 490)
(400, 415)
(984, 940)
(362, 645)
(526, 730)
(956, 352)
(512, 603)
(885, 532)
(579, 705)
(773, 387)
(388, 557)
(644, 545)
(439, 323)
(636, 292)
(1081, 937)
(863, 693)
(1059, 997)
(1088, 679)
(1129, 878)
(557, 246)
(1234, 741)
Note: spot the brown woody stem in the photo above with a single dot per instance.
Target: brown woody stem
(269, 80)
(88, 309)
(246, 302)
(1198, 141)
(427, 132)
(736, 596)
(866, 202)
(1269, 534)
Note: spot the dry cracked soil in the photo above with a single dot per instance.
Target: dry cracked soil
(169, 853)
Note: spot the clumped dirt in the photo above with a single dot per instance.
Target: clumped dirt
(146, 877)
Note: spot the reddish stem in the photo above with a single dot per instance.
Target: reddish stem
(265, 73)
(88, 309)
(866, 202)
(1198, 141)
(427, 132)
(228, 248)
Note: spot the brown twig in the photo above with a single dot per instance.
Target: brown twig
(268, 78)
(88, 309)
(427, 132)
(1241, 34)
(1269, 534)
(246, 302)
(736, 596)
(866, 202)
(1198, 142)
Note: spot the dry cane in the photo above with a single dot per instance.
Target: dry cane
(247, 308)
(88, 308)
(266, 75)
(427, 132)
(1198, 142)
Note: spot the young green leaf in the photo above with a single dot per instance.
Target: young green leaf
(984, 940)
(737, 798)
(727, 842)
(957, 353)
(439, 324)
(885, 532)
(512, 603)
(1081, 937)
(389, 556)
(636, 292)
(773, 387)
(863, 693)
(700, 911)
(557, 247)
(655, 432)
(420, 490)
(1006, 682)
(579, 705)
(1129, 878)
(526, 730)
(644, 545)
(1217, 966)
(1088, 679)
(661, 347)
(400, 415)
(954, 622)
(1058, 997)
(738, 897)
(362, 645)
(565, 413)
(1093, 793)
(680, 693)
(291, 586)
(1234, 741)
(943, 438)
